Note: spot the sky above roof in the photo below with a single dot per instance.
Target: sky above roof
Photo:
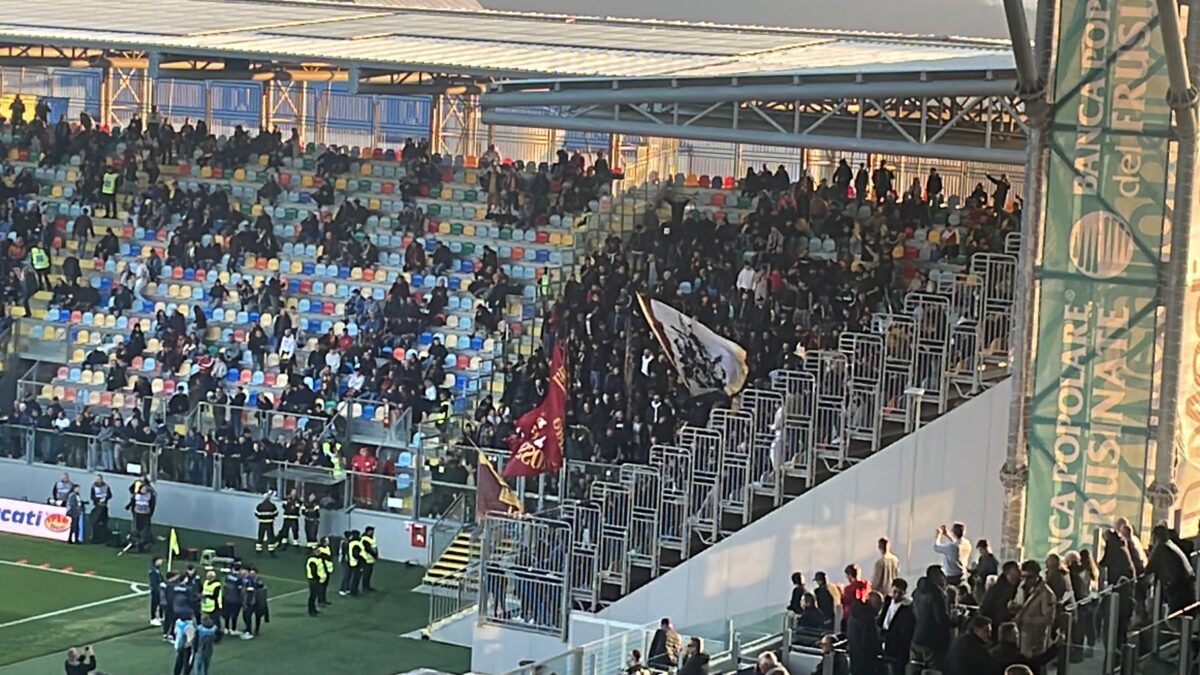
(976, 18)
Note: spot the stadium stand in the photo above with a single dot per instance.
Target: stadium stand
(257, 282)
(860, 311)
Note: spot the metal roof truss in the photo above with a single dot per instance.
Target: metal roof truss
(976, 117)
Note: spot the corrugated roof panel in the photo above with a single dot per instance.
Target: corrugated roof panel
(474, 42)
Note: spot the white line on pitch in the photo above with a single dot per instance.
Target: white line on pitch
(68, 610)
(97, 577)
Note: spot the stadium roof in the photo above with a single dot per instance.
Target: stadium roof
(452, 37)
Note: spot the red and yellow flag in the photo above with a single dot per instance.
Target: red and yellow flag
(537, 442)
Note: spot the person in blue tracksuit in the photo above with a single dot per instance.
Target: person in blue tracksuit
(208, 633)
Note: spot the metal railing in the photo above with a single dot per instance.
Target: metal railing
(458, 592)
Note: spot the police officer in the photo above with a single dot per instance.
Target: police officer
(314, 571)
(290, 535)
(312, 520)
(210, 595)
(233, 596)
(370, 554)
(101, 494)
(265, 512)
(326, 552)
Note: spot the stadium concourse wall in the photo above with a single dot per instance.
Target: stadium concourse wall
(947, 471)
(198, 508)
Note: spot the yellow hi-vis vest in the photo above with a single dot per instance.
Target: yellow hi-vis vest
(368, 545)
(211, 601)
(38, 258)
(314, 569)
(326, 554)
(354, 553)
(110, 183)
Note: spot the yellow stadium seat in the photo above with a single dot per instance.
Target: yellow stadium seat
(340, 184)
(306, 181)
(206, 172)
(256, 210)
(364, 169)
(239, 174)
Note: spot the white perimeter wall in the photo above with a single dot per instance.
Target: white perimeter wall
(197, 508)
(948, 471)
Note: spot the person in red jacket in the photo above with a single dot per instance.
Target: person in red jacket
(855, 590)
(364, 463)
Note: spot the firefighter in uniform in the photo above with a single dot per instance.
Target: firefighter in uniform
(210, 596)
(265, 512)
(290, 535)
(370, 554)
(312, 520)
(314, 570)
(326, 553)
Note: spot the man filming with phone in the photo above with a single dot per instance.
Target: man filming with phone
(80, 661)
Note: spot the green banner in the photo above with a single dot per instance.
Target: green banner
(1088, 420)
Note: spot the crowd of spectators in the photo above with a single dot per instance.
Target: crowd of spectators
(121, 171)
(806, 263)
(970, 614)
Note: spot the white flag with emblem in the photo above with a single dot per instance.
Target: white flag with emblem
(705, 361)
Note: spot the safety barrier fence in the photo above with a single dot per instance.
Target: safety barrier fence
(1109, 632)
(769, 445)
(404, 482)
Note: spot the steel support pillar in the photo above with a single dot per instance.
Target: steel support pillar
(1014, 474)
(302, 112)
(147, 96)
(266, 107)
(106, 96)
(1182, 67)
(435, 123)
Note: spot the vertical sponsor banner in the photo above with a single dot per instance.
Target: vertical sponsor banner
(1187, 421)
(1090, 411)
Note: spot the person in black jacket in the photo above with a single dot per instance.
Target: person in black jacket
(969, 654)
(862, 635)
(829, 598)
(931, 635)
(80, 661)
(1170, 566)
(1007, 651)
(798, 592)
(896, 625)
(995, 600)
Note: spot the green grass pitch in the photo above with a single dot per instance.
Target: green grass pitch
(56, 596)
